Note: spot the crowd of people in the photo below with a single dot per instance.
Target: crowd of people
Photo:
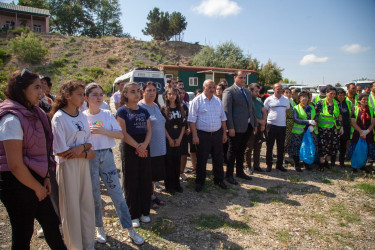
(54, 150)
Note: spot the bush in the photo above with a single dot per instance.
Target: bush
(29, 48)
(113, 59)
(60, 62)
(3, 54)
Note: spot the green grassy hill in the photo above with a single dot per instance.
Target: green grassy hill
(100, 60)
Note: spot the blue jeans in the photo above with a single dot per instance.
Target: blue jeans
(103, 165)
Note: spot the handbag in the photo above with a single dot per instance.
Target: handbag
(359, 157)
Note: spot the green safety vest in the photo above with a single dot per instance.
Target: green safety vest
(356, 112)
(292, 103)
(317, 99)
(299, 128)
(371, 101)
(325, 119)
(349, 104)
(355, 99)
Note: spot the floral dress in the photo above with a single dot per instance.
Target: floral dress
(328, 138)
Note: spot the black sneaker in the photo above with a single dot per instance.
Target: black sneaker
(282, 169)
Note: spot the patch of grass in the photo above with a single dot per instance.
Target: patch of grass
(256, 190)
(113, 59)
(342, 213)
(129, 45)
(140, 64)
(213, 221)
(321, 218)
(367, 188)
(277, 200)
(60, 62)
(254, 200)
(283, 236)
(344, 238)
(163, 226)
(274, 190)
(314, 232)
(326, 181)
(68, 54)
(295, 179)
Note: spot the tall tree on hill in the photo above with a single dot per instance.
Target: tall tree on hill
(72, 17)
(226, 55)
(177, 24)
(41, 4)
(162, 26)
(108, 15)
(270, 74)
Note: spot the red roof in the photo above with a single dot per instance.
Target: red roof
(199, 68)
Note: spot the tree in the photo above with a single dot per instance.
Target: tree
(162, 26)
(226, 55)
(41, 4)
(107, 21)
(338, 85)
(177, 24)
(29, 48)
(269, 74)
(254, 64)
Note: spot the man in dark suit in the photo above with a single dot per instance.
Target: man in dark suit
(241, 121)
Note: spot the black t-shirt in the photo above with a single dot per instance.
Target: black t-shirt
(175, 123)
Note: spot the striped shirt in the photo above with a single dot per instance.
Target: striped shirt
(206, 114)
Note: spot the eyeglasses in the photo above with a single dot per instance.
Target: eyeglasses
(25, 70)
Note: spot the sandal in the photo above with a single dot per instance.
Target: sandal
(158, 202)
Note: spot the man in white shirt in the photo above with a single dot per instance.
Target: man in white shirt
(207, 121)
(277, 107)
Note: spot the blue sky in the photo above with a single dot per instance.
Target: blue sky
(313, 40)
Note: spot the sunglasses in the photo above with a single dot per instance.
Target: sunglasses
(25, 71)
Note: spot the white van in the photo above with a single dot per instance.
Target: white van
(142, 76)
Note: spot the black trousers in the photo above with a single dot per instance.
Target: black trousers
(137, 176)
(236, 151)
(23, 207)
(275, 133)
(172, 168)
(342, 150)
(210, 143)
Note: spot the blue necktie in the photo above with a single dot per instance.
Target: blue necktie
(244, 95)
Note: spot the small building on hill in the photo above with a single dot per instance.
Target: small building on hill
(194, 76)
(14, 16)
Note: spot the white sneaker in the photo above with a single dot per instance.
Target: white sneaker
(40, 233)
(100, 235)
(136, 223)
(183, 177)
(137, 239)
(145, 219)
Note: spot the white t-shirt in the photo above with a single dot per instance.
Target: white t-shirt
(10, 128)
(105, 119)
(69, 131)
(276, 110)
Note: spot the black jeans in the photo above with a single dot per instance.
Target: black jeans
(23, 207)
(236, 151)
(172, 168)
(210, 143)
(137, 176)
(275, 133)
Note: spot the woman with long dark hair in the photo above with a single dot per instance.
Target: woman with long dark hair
(25, 158)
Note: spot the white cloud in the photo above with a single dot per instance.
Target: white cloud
(218, 8)
(311, 58)
(312, 48)
(354, 48)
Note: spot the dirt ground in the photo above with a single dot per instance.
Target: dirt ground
(309, 210)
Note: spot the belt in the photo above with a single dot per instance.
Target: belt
(210, 133)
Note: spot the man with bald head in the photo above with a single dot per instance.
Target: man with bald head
(238, 106)
(208, 126)
(277, 107)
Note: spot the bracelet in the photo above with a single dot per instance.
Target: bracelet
(85, 154)
(84, 147)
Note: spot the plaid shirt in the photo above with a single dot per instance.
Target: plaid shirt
(206, 114)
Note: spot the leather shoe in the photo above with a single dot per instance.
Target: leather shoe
(179, 189)
(221, 184)
(231, 180)
(198, 187)
(282, 169)
(269, 169)
(258, 169)
(244, 176)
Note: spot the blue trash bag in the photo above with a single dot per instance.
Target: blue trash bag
(359, 157)
(307, 150)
